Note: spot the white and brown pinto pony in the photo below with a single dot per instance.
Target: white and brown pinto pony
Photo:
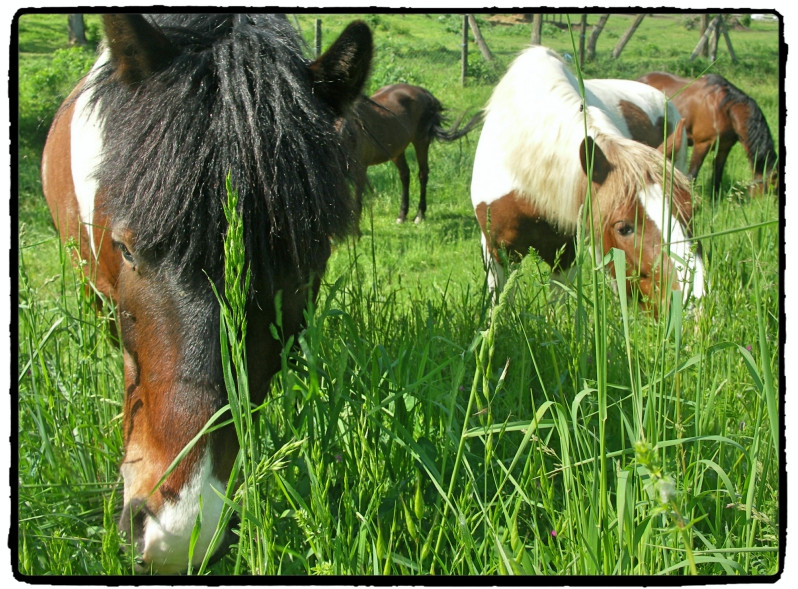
(642, 113)
(135, 169)
(541, 142)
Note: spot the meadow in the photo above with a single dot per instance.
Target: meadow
(417, 429)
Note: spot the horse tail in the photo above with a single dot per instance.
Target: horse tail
(752, 131)
(456, 131)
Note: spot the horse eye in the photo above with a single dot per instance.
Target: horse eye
(624, 229)
(126, 253)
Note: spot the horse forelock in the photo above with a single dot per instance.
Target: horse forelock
(237, 101)
(636, 168)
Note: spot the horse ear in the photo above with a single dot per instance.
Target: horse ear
(601, 165)
(341, 72)
(138, 49)
(673, 145)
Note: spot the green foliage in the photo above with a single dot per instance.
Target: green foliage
(390, 69)
(414, 428)
(42, 90)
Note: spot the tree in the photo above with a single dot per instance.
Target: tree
(483, 47)
(704, 24)
(626, 36)
(77, 29)
(537, 28)
(582, 33)
(594, 35)
(709, 39)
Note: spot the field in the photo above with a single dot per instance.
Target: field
(422, 430)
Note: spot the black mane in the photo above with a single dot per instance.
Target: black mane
(237, 100)
(759, 146)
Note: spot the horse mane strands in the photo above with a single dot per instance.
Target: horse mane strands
(226, 113)
(526, 113)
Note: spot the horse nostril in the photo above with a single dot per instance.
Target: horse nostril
(131, 524)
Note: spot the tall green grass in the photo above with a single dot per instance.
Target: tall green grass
(415, 428)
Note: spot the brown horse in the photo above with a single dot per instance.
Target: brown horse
(544, 148)
(383, 126)
(717, 115)
(135, 168)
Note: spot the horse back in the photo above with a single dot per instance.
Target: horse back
(391, 119)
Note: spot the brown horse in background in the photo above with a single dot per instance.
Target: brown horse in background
(717, 115)
(383, 126)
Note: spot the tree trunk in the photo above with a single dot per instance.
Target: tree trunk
(77, 29)
(590, 55)
(705, 37)
(582, 35)
(317, 38)
(464, 53)
(537, 28)
(725, 31)
(483, 47)
(704, 25)
(626, 36)
(713, 40)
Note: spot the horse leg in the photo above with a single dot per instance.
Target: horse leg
(700, 150)
(495, 272)
(404, 175)
(422, 155)
(717, 171)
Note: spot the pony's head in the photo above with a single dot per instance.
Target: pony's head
(184, 103)
(643, 207)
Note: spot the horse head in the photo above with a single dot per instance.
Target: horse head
(646, 214)
(176, 105)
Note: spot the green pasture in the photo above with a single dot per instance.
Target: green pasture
(420, 430)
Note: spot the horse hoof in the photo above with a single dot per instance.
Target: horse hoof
(418, 219)
(400, 220)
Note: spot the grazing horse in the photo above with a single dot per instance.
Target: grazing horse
(135, 167)
(539, 146)
(383, 126)
(642, 113)
(717, 115)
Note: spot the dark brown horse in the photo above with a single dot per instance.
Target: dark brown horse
(717, 115)
(383, 126)
(135, 167)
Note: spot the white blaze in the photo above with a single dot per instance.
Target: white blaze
(688, 264)
(86, 149)
(167, 535)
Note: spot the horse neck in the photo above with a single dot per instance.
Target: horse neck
(553, 180)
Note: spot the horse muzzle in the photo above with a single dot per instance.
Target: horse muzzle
(182, 531)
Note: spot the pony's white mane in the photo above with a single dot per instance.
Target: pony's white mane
(534, 127)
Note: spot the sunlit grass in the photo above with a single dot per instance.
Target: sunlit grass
(416, 429)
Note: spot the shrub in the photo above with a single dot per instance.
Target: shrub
(42, 90)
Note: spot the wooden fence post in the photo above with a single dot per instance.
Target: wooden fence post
(537, 28)
(582, 35)
(318, 37)
(626, 36)
(594, 35)
(478, 39)
(725, 30)
(705, 37)
(464, 52)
